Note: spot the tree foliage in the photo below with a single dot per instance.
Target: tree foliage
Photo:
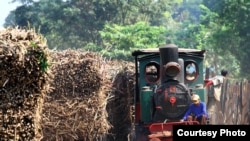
(116, 27)
(76, 23)
(233, 36)
(120, 41)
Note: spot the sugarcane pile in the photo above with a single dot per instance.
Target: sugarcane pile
(75, 109)
(120, 106)
(24, 81)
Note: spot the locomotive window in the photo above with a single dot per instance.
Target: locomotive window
(152, 72)
(191, 71)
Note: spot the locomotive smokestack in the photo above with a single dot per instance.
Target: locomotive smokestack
(170, 67)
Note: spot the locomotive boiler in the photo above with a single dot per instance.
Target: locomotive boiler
(166, 78)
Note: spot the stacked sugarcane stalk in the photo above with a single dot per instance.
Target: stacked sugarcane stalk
(75, 109)
(24, 81)
(86, 98)
(120, 106)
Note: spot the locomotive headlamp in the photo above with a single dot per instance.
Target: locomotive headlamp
(172, 100)
(172, 69)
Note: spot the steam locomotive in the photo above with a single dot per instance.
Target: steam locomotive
(166, 78)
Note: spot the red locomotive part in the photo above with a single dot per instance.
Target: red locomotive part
(163, 131)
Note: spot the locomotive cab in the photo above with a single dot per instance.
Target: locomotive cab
(166, 77)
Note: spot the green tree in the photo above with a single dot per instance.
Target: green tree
(233, 16)
(76, 23)
(188, 31)
(120, 41)
(23, 1)
(193, 25)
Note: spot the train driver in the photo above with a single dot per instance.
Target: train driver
(197, 111)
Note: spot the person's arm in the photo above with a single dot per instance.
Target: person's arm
(208, 82)
(188, 112)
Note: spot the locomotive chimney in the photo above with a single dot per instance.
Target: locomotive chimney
(170, 67)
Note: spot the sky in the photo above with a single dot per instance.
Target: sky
(5, 8)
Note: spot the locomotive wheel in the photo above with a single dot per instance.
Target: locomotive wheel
(155, 139)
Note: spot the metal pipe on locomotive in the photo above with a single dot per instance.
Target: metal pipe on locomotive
(166, 77)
